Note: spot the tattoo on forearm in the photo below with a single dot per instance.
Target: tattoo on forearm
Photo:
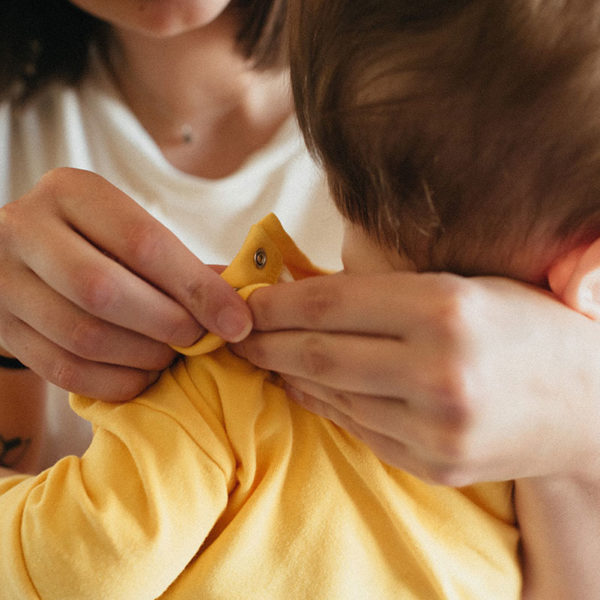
(12, 451)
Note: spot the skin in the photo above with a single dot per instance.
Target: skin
(441, 399)
(23, 422)
(452, 409)
(433, 370)
(68, 306)
(80, 267)
(160, 18)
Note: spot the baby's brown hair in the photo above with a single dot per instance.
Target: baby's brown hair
(457, 131)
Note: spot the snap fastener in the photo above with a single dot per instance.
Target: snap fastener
(260, 258)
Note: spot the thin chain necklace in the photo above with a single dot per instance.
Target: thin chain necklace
(185, 131)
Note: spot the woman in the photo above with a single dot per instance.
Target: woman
(185, 108)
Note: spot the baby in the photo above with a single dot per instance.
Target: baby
(445, 136)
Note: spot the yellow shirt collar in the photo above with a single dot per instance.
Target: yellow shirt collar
(260, 262)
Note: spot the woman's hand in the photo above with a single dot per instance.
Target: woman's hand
(455, 380)
(93, 290)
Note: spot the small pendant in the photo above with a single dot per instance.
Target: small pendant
(187, 136)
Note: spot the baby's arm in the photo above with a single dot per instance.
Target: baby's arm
(560, 524)
(125, 519)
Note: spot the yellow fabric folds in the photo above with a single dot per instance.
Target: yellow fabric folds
(214, 485)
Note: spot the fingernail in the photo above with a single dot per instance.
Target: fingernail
(232, 324)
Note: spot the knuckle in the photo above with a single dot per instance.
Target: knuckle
(319, 302)
(264, 309)
(455, 407)
(455, 452)
(454, 422)
(454, 308)
(54, 182)
(314, 358)
(96, 291)
(10, 225)
(16, 217)
(60, 188)
(143, 243)
(198, 291)
(64, 374)
(86, 337)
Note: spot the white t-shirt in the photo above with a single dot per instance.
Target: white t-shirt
(89, 127)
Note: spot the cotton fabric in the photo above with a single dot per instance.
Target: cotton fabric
(212, 484)
(89, 127)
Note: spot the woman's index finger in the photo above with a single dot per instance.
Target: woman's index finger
(383, 304)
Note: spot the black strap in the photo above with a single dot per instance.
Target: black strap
(11, 363)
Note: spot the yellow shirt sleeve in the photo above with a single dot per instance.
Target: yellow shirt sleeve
(125, 519)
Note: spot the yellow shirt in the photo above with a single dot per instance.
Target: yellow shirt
(213, 485)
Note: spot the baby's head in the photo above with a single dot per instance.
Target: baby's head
(464, 134)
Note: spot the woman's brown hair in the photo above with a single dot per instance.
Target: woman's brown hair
(47, 40)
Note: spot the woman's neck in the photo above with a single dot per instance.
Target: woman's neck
(197, 96)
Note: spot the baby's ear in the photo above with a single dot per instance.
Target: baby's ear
(575, 279)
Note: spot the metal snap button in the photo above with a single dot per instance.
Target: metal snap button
(260, 258)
